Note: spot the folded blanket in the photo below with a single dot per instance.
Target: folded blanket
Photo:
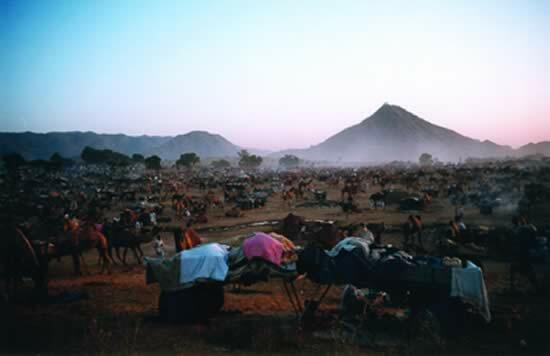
(468, 284)
(289, 249)
(348, 244)
(264, 246)
(207, 262)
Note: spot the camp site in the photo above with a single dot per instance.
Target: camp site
(300, 260)
(274, 177)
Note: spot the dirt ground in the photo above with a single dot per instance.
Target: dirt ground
(119, 313)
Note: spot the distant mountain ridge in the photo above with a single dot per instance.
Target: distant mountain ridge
(542, 148)
(70, 144)
(391, 133)
(202, 143)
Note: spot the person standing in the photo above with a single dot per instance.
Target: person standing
(159, 246)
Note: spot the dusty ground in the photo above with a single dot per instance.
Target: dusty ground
(120, 312)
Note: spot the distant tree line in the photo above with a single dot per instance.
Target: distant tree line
(221, 164)
(94, 156)
(426, 159)
(289, 161)
(90, 155)
(13, 161)
(249, 161)
(153, 162)
(138, 158)
(188, 160)
(109, 157)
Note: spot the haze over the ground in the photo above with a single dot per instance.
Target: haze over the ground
(390, 134)
(274, 74)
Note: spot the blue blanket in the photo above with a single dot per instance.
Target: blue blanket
(468, 284)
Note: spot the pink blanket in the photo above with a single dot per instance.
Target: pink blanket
(264, 246)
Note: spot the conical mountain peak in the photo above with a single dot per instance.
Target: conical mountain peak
(388, 112)
(393, 133)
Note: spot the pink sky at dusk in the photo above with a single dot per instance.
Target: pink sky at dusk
(275, 75)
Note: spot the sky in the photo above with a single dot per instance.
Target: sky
(274, 74)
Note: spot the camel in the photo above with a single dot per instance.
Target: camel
(234, 212)
(179, 204)
(349, 206)
(413, 228)
(303, 186)
(350, 190)
(128, 238)
(427, 198)
(289, 197)
(324, 234)
(20, 258)
(292, 226)
(334, 182)
(79, 237)
(212, 201)
(378, 199)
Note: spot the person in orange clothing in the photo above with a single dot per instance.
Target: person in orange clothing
(190, 238)
(186, 238)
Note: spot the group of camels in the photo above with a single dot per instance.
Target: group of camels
(24, 253)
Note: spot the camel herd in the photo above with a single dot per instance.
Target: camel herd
(48, 216)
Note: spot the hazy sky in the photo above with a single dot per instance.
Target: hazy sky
(274, 74)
